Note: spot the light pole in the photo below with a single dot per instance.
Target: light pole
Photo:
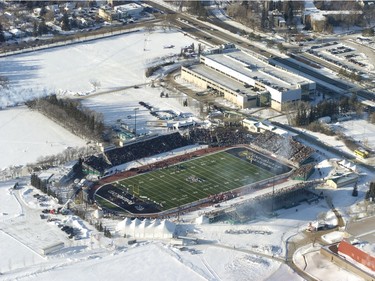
(273, 194)
(135, 120)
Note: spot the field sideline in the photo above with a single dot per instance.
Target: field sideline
(192, 180)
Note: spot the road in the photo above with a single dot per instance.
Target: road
(363, 228)
(319, 78)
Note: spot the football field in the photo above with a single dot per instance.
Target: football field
(195, 179)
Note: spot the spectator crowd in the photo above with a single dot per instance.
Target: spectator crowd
(285, 147)
(278, 145)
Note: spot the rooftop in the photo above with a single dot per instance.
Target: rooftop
(224, 80)
(257, 69)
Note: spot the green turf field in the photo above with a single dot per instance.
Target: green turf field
(190, 181)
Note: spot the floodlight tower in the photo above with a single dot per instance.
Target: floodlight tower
(135, 120)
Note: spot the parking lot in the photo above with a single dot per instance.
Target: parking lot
(343, 56)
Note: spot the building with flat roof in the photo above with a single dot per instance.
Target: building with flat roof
(131, 9)
(120, 12)
(243, 78)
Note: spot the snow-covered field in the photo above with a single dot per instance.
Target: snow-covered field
(121, 105)
(113, 62)
(26, 135)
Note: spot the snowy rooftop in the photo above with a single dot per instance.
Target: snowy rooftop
(223, 79)
(128, 7)
(246, 64)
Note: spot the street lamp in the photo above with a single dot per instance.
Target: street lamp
(135, 120)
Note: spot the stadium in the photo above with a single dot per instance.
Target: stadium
(220, 171)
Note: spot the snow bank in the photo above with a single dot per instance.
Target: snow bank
(333, 237)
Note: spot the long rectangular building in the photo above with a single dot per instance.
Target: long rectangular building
(242, 78)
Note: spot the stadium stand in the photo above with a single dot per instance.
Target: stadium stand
(95, 165)
(145, 148)
(134, 151)
(303, 172)
(285, 147)
(220, 136)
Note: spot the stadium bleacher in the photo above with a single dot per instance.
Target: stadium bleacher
(135, 151)
(278, 145)
(285, 147)
(146, 148)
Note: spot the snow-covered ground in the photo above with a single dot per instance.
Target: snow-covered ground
(109, 63)
(121, 105)
(321, 267)
(359, 129)
(26, 135)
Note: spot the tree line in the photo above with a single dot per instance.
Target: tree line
(255, 14)
(305, 114)
(70, 114)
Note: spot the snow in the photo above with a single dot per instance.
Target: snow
(276, 230)
(113, 62)
(121, 105)
(333, 237)
(17, 255)
(26, 135)
(149, 261)
(321, 267)
(360, 130)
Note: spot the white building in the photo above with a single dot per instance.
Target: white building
(242, 78)
(131, 10)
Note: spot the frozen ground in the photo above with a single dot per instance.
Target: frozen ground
(320, 266)
(359, 129)
(121, 105)
(26, 135)
(113, 62)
